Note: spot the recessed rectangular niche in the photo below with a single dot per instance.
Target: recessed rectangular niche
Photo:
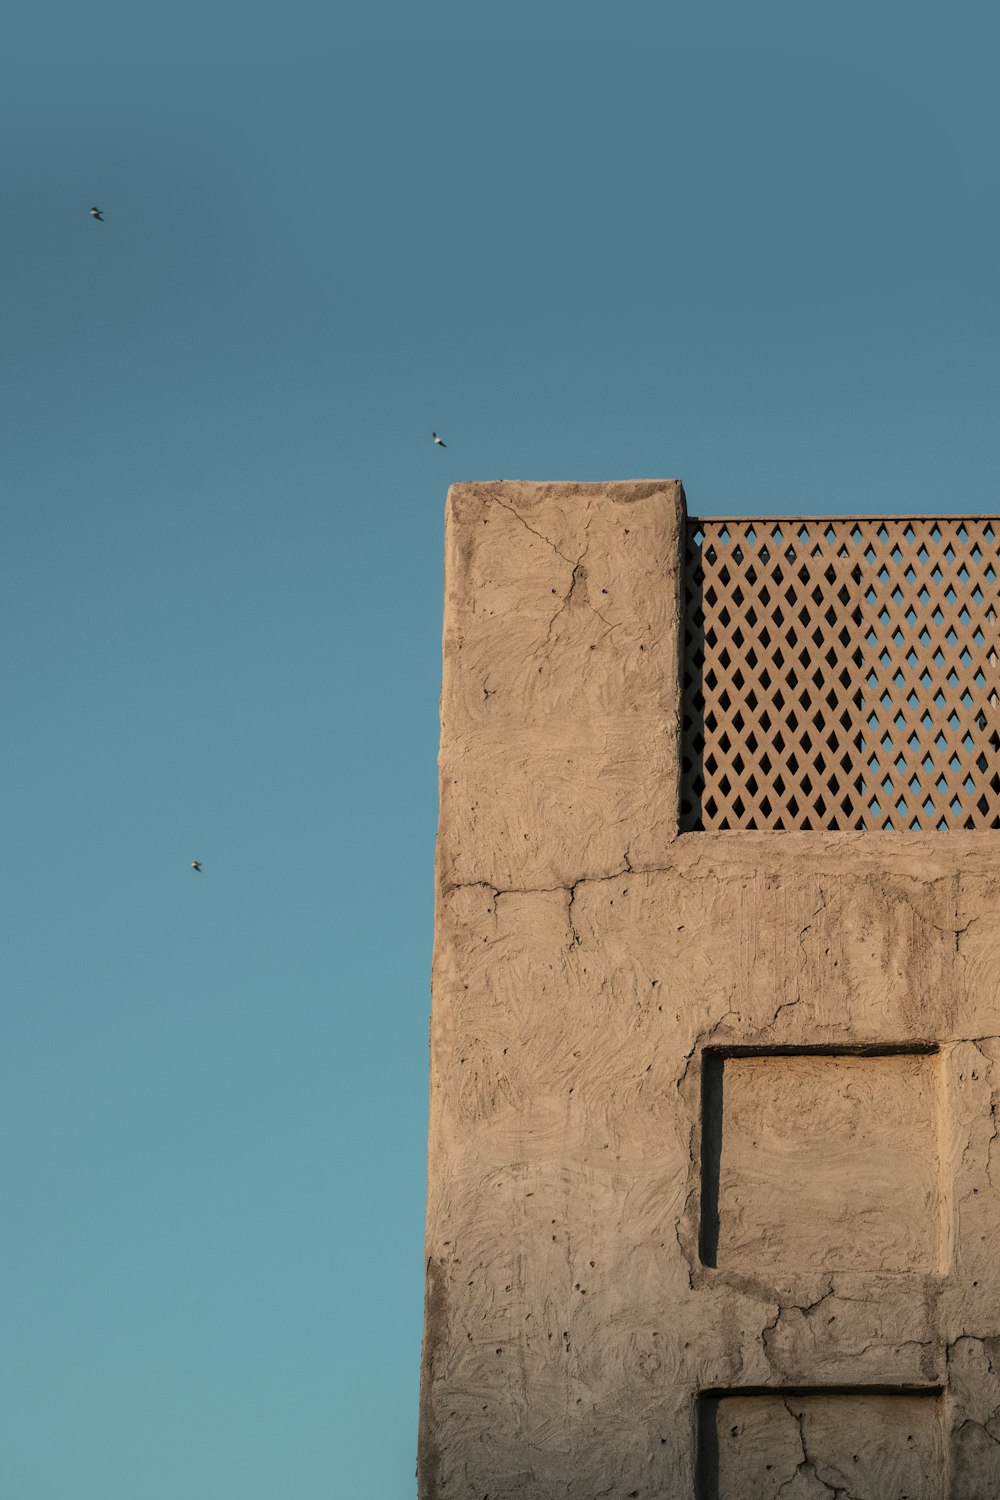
(873, 1444)
(820, 1159)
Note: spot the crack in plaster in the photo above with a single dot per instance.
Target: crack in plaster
(969, 1146)
(970, 1338)
(570, 890)
(569, 887)
(805, 1308)
(928, 920)
(994, 1417)
(702, 1040)
(769, 1328)
(540, 535)
(687, 1258)
(799, 1419)
(789, 1004)
(820, 908)
(994, 1103)
(785, 1005)
(969, 1422)
(883, 1345)
(574, 577)
(809, 1465)
(579, 572)
(571, 894)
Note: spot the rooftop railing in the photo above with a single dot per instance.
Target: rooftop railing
(841, 673)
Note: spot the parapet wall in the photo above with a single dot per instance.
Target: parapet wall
(713, 1178)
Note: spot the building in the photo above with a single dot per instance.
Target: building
(714, 1168)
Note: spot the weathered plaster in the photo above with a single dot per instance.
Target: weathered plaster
(590, 965)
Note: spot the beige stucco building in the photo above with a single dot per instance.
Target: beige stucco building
(714, 1174)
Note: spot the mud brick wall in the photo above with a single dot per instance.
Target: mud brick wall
(713, 1203)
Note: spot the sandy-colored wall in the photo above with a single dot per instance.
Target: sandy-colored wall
(713, 1173)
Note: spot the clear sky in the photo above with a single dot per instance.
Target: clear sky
(753, 247)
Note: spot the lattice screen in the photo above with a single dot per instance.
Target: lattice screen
(842, 674)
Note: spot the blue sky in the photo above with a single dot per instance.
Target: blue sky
(754, 248)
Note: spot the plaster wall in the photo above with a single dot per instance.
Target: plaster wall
(713, 1187)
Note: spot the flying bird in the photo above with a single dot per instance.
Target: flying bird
(440, 441)
(95, 213)
(196, 865)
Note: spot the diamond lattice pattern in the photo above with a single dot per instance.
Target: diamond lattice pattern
(841, 674)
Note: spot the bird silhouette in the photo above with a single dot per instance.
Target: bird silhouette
(196, 865)
(95, 213)
(440, 441)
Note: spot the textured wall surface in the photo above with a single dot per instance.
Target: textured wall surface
(713, 1190)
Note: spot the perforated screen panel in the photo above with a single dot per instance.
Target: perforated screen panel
(841, 674)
